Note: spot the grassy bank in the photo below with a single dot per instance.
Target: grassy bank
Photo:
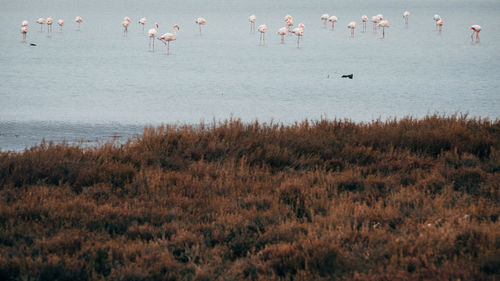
(406, 199)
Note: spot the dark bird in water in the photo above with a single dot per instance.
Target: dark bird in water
(32, 44)
(350, 76)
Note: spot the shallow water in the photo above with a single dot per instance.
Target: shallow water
(95, 83)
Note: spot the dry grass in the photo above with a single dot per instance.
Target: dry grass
(397, 200)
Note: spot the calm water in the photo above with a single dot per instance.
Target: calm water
(93, 84)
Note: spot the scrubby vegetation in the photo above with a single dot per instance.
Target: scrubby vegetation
(395, 200)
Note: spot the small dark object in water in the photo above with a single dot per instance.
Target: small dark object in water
(350, 76)
(32, 44)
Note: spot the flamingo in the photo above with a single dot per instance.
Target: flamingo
(282, 31)
(436, 19)
(289, 22)
(333, 20)
(324, 18)
(167, 37)
(252, 19)
(125, 24)
(152, 33)
(24, 31)
(60, 22)
(375, 20)
(143, 22)
(440, 23)
(200, 22)
(262, 29)
(41, 22)
(352, 26)
(79, 20)
(49, 24)
(299, 31)
(406, 14)
(384, 24)
(364, 18)
(475, 29)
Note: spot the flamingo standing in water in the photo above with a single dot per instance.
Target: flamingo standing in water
(436, 19)
(262, 29)
(79, 20)
(406, 14)
(299, 31)
(60, 22)
(475, 29)
(125, 23)
(152, 33)
(324, 18)
(168, 37)
(289, 22)
(440, 23)
(364, 19)
(375, 20)
(200, 22)
(352, 26)
(384, 24)
(49, 24)
(252, 19)
(333, 20)
(282, 31)
(142, 21)
(41, 22)
(24, 31)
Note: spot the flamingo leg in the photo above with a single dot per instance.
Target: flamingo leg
(383, 32)
(477, 37)
(168, 48)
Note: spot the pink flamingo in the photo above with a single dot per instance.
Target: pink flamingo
(168, 37)
(475, 29)
(79, 20)
(49, 24)
(406, 14)
(142, 21)
(384, 24)
(436, 19)
(152, 33)
(24, 31)
(200, 22)
(41, 22)
(252, 19)
(333, 20)
(282, 31)
(289, 22)
(299, 31)
(352, 26)
(324, 18)
(125, 24)
(262, 29)
(364, 19)
(440, 23)
(60, 22)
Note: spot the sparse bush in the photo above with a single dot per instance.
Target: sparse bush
(404, 199)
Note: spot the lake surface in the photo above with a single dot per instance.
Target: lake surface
(95, 84)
